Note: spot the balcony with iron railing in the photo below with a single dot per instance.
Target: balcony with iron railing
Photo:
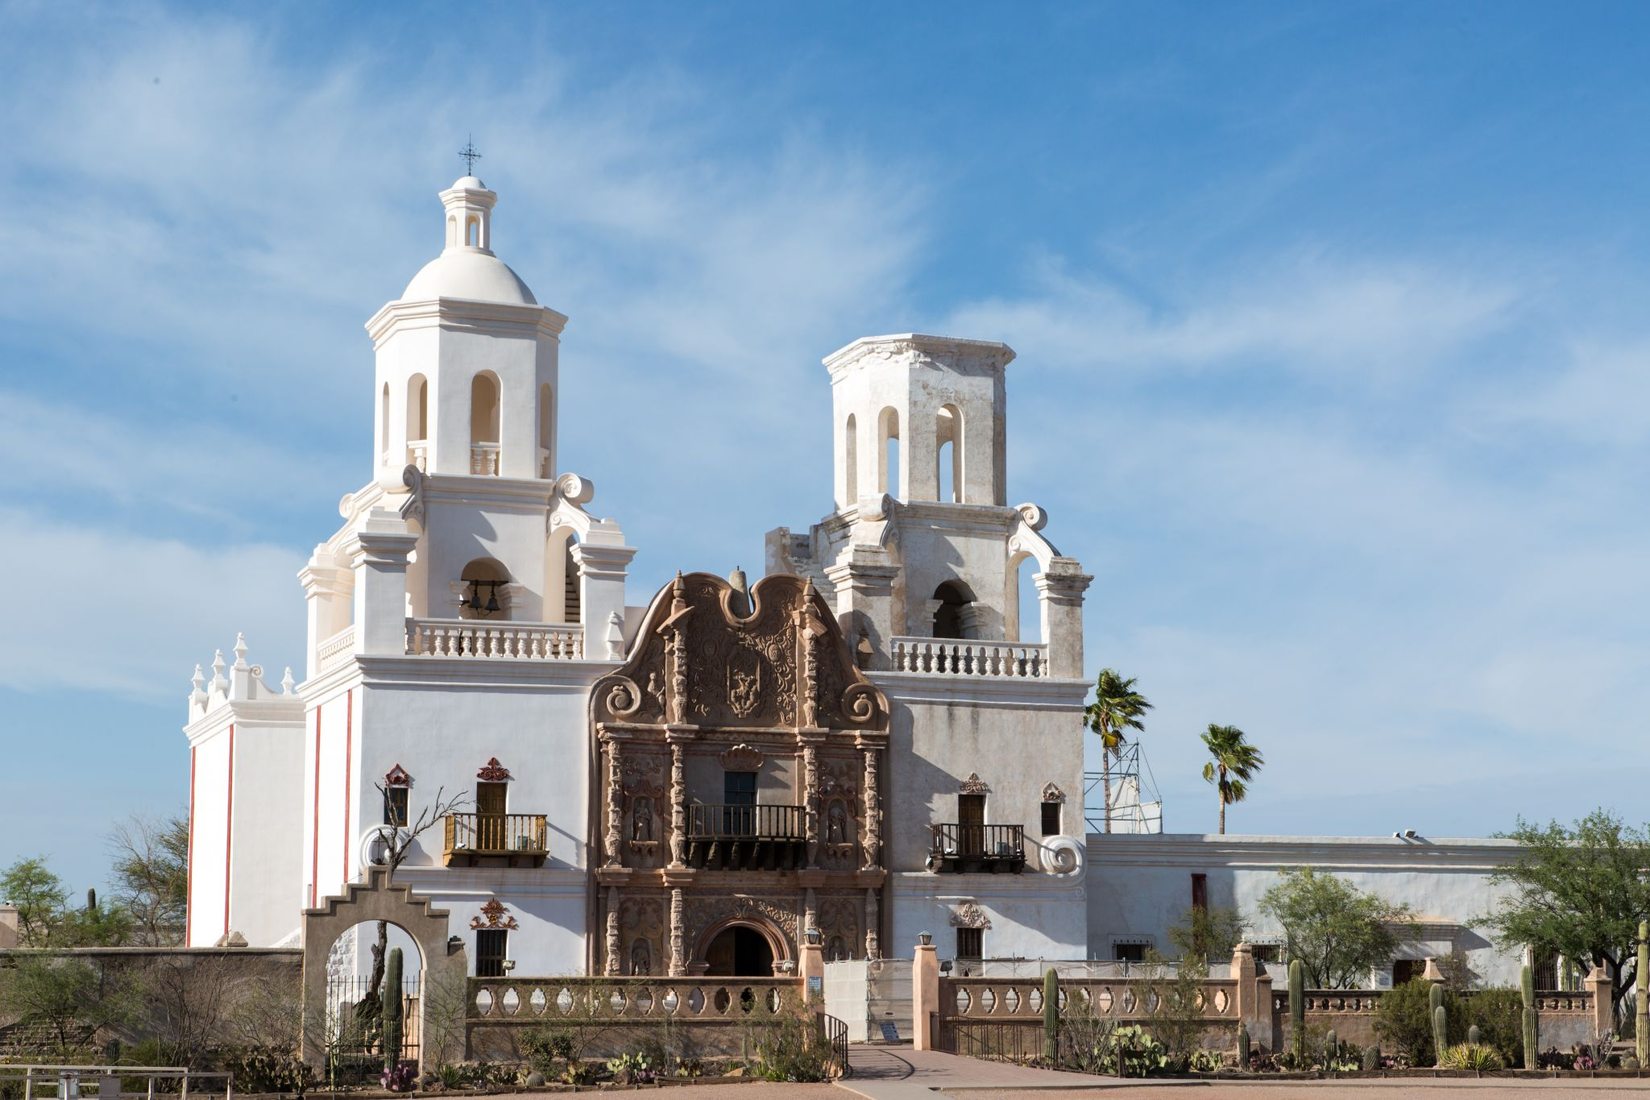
(511, 840)
(739, 837)
(969, 848)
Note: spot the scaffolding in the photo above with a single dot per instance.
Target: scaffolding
(1136, 807)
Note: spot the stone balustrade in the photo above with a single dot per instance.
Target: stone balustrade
(499, 640)
(959, 657)
(484, 459)
(335, 649)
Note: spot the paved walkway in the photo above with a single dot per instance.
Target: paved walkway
(900, 1073)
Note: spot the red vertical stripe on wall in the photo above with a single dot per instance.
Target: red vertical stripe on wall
(315, 826)
(189, 892)
(349, 749)
(229, 828)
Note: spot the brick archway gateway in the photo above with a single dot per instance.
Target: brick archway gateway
(377, 899)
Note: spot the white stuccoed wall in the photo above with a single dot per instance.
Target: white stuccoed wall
(1139, 886)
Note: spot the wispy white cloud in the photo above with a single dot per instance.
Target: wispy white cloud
(128, 615)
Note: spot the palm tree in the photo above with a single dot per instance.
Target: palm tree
(1116, 707)
(1233, 767)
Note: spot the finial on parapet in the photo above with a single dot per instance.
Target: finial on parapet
(287, 682)
(240, 650)
(197, 684)
(219, 682)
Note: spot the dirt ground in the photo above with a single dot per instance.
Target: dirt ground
(1453, 1089)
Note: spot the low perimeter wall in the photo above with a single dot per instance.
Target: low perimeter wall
(704, 1017)
(1003, 1016)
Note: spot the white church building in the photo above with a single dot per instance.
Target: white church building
(869, 741)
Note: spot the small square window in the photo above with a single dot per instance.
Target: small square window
(1129, 952)
(970, 943)
(1051, 819)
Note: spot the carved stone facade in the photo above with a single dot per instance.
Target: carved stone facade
(737, 754)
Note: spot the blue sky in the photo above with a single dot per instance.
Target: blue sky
(1332, 345)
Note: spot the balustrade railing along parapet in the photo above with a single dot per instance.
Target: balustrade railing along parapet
(553, 1000)
(335, 648)
(949, 657)
(502, 640)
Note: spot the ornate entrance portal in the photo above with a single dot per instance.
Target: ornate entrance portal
(739, 952)
(738, 754)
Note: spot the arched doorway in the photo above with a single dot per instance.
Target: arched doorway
(739, 951)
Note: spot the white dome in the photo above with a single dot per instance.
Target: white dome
(468, 183)
(468, 273)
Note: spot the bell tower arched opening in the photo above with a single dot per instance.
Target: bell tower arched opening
(952, 615)
(888, 452)
(850, 473)
(484, 417)
(948, 450)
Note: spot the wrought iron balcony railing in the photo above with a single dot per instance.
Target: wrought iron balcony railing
(514, 839)
(964, 847)
(734, 837)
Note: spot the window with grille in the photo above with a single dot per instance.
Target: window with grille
(395, 806)
(491, 951)
(1200, 893)
(970, 943)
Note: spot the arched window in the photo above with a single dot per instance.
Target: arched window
(1028, 612)
(472, 231)
(948, 436)
(484, 591)
(452, 231)
(384, 424)
(547, 426)
(950, 617)
(850, 448)
(888, 452)
(418, 421)
(484, 424)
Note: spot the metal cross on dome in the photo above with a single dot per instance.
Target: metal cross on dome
(470, 156)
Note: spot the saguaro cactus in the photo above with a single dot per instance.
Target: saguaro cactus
(1243, 1046)
(1641, 979)
(1532, 1019)
(1051, 1015)
(1372, 1059)
(1440, 1033)
(1297, 1005)
(1473, 1035)
(392, 1009)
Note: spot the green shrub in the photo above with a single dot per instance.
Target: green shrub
(267, 1069)
(1499, 1016)
(1474, 1056)
(1404, 1020)
(790, 1048)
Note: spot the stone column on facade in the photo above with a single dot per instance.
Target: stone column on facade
(864, 585)
(810, 799)
(678, 933)
(615, 805)
(925, 996)
(873, 924)
(327, 587)
(602, 567)
(871, 833)
(676, 667)
(678, 806)
(615, 947)
(1060, 593)
(811, 968)
(378, 556)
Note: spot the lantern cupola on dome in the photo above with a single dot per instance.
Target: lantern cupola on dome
(467, 267)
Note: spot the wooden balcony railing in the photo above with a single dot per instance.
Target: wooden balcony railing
(978, 848)
(746, 837)
(517, 840)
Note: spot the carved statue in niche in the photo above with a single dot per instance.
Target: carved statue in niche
(641, 958)
(838, 829)
(641, 818)
(836, 949)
